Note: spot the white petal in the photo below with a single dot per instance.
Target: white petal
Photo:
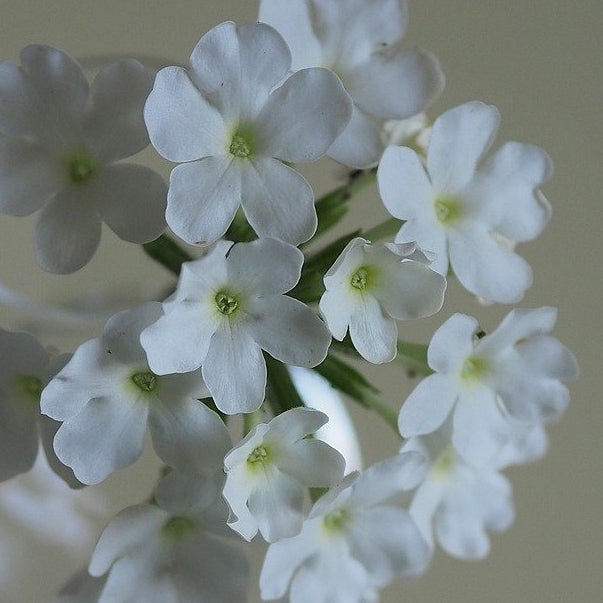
(187, 435)
(452, 343)
(360, 144)
(295, 424)
(459, 139)
(388, 544)
(48, 429)
(480, 429)
(277, 506)
(265, 266)
(15, 103)
(304, 116)
(238, 67)
(278, 201)
(203, 198)
(395, 84)
(29, 176)
(130, 529)
(106, 435)
(289, 331)
(235, 372)
(546, 356)
(114, 124)
(313, 463)
(337, 311)
(427, 406)
(496, 498)
(508, 184)
(179, 340)
(202, 275)
(236, 492)
(67, 232)
(182, 124)
(403, 184)
(373, 333)
(430, 237)
(485, 267)
(131, 200)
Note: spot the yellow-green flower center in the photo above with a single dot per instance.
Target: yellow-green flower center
(177, 528)
(145, 381)
(226, 303)
(444, 463)
(336, 520)
(447, 209)
(241, 146)
(30, 386)
(363, 278)
(259, 456)
(80, 167)
(474, 368)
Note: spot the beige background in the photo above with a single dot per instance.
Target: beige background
(539, 61)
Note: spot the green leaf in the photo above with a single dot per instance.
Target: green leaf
(240, 230)
(281, 393)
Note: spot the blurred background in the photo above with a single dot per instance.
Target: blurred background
(541, 63)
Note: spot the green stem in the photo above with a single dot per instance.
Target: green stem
(385, 230)
(250, 420)
(167, 252)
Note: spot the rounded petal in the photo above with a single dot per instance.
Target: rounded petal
(237, 67)
(452, 343)
(131, 199)
(114, 124)
(295, 424)
(485, 267)
(427, 407)
(289, 331)
(235, 372)
(459, 139)
(403, 184)
(278, 201)
(203, 198)
(277, 506)
(48, 429)
(182, 124)
(187, 435)
(236, 493)
(29, 176)
(67, 232)
(304, 116)
(546, 356)
(267, 266)
(337, 311)
(15, 102)
(360, 144)
(373, 333)
(430, 237)
(396, 84)
(313, 463)
(106, 435)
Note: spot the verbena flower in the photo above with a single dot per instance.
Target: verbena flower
(235, 120)
(354, 540)
(107, 394)
(268, 473)
(61, 142)
(360, 41)
(25, 369)
(228, 307)
(178, 550)
(371, 285)
(459, 209)
(515, 373)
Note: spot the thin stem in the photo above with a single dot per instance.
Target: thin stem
(168, 253)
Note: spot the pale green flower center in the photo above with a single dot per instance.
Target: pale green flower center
(30, 386)
(259, 456)
(226, 303)
(447, 209)
(444, 463)
(177, 528)
(80, 167)
(241, 146)
(145, 381)
(362, 278)
(336, 520)
(474, 368)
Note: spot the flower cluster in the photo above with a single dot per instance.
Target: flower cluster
(258, 319)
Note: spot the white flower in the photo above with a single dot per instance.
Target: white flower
(106, 395)
(268, 472)
(371, 285)
(60, 146)
(235, 122)
(25, 369)
(515, 373)
(457, 208)
(353, 542)
(175, 552)
(229, 306)
(360, 41)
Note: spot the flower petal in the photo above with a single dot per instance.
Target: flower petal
(427, 406)
(236, 493)
(337, 311)
(67, 232)
(182, 124)
(430, 237)
(131, 200)
(203, 198)
(15, 102)
(114, 124)
(295, 424)
(459, 139)
(235, 372)
(313, 463)
(373, 333)
(278, 201)
(289, 331)
(304, 116)
(452, 343)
